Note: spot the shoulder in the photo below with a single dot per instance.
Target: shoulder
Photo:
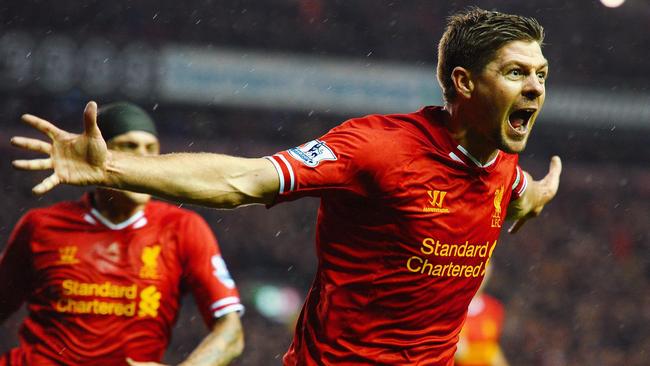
(389, 125)
(511, 159)
(385, 134)
(44, 220)
(59, 209)
(507, 165)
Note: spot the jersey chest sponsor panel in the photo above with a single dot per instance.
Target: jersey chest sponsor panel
(403, 245)
(116, 289)
(102, 273)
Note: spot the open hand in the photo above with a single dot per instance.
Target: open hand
(540, 193)
(75, 159)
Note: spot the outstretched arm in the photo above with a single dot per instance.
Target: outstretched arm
(536, 196)
(200, 178)
(222, 345)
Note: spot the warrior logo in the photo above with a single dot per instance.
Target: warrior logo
(436, 202)
(67, 255)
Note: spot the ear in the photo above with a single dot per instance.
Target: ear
(462, 79)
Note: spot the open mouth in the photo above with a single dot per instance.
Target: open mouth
(520, 119)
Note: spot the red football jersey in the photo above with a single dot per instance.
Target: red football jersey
(479, 338)
(98, 292)
(407, 224)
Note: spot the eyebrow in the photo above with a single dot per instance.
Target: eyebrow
(518, 63)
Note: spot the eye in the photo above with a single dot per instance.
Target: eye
(541, 75)
(152, 148)
(125, 146)
(515, 73)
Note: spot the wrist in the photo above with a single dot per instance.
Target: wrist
(111, 170)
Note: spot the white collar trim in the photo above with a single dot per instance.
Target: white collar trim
(137, 216)
(456, 158)
(474, 160)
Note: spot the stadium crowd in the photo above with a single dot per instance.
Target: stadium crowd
(394, 30)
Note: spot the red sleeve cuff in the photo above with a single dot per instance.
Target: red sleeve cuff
(520, 184)
(285, 172)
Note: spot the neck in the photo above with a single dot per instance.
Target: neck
(115, 205)
(461, 125)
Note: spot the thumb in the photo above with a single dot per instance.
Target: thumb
(551, 181)
(554, 168)
(90, 120)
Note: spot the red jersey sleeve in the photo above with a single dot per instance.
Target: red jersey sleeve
(519, 184)
(345, 159)
(15, 264)
(205, 271)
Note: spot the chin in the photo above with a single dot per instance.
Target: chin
(513, 147)
(138, 198)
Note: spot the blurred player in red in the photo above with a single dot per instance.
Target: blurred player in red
(411, 204)
(479, 338)
(103, 277)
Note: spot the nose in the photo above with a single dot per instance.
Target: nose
(533, 87)
(141, 150)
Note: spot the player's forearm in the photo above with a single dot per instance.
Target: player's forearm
(221, 346)
(201, 178)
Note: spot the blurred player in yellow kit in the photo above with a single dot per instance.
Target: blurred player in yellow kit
(479, 339)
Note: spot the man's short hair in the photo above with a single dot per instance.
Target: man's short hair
(473, 37)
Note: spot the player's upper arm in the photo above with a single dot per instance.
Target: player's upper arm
(347, 158)
(205, 271)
